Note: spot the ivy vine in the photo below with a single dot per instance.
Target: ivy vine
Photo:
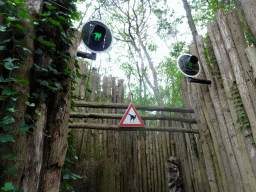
(51, 41)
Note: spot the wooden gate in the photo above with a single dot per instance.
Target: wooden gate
(117, 159)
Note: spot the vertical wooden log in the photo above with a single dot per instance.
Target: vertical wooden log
(183, 157)
(83, 71)
(249, 7)
(165, 156)
(152, 165)
(203, 145)
(236, 66)
(236, 30)
(148, 162)
(251, 55)
(144, 165)
(199, 163)
(162, 159)
(158, 163)
(231, 130)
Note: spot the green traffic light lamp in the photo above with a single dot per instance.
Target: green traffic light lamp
(189, 66)
(97, 38)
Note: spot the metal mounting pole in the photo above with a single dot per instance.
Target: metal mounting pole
(201, 81)
(91, 56)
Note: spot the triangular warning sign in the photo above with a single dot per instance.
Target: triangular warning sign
(131, 118)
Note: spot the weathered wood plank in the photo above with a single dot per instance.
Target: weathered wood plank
(120, 116)
(117, 128)
(125, 106)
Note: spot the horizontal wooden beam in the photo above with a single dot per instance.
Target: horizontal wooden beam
(117, 128)
(143, 117)
(125, 106)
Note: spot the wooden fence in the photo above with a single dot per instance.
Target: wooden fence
(120, 161)
(225, 110)
(220, 158)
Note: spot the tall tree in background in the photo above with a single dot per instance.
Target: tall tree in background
(190, 19)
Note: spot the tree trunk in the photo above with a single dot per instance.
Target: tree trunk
(20, 147)
(57, 125)
(34, 162)
(190, 19)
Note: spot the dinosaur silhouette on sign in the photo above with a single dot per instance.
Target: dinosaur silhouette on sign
(97, 35)
(132, 117)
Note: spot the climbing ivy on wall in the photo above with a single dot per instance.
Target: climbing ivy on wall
(46, 79)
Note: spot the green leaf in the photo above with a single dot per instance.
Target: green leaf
(54, 22)
(8, 91)
(23, 127)
(44, 15)
(75, 176)
(50, 7)
(43, 82)
(10, 60)
(8, 186)
(7, 120)
(19, 2)
(6, 137)
(27, 116)
(38, 51)
(52, 69)
(71, 61)
(48, 43)
(11, 171)
(57, 84)
(10, 79)
(68, 72)
(71, 34)
(24, 10)
(12, 109)
(10, 156)
(69, 187)
(76, 65)
(31, 37)
(20, 27)
(10, 66)
(26, 49)
(66, 176)
(30, 104)
(66, 56)
(12, 19)
(70, 121)
(38, 112)
(14, 98)
(5, 41)
(61, 17)
(3, 28)
(7, 128)
(22, 80)
(26, 93)
(2, 48)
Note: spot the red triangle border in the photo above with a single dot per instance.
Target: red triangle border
(125, 115)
